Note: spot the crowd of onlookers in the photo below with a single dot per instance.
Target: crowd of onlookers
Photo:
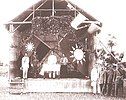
(111, 80)
(108, 78)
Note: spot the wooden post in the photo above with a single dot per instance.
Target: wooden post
(33, 11)
(90, 54)
(11, 28)
(53, 9)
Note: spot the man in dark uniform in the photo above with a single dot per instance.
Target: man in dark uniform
(110, 80)
(34, 64)
(63, 70)
(104, 77)
(100, 80)
(114, 77)
(118, 80)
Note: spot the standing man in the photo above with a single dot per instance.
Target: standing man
(94, 79)
(63, 70)
(105, 76)
(110, 73)
(25, 65)
(118, 81)
(34, 64)
(101, 80)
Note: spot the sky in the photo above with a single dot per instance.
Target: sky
(110, 12)
(9, 9)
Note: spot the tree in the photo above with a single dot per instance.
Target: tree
(111, 42)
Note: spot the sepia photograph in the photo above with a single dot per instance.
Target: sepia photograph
(62, 50)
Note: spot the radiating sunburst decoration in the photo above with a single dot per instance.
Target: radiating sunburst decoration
(29, 46)
(77, 54)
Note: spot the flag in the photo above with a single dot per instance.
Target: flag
(78, 20)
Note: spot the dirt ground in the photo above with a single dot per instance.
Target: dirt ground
(55, 96)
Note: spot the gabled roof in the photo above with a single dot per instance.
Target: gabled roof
(48, 8)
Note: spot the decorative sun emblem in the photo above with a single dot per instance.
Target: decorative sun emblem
(77, 54)
(29, 46)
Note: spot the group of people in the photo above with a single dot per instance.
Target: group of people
(54, 69)
(51, 67)
(108, 80)
(26, 62)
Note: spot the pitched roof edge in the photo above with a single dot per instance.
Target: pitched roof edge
(83, 12)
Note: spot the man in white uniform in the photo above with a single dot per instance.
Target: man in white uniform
(25, 65)
(94, 78)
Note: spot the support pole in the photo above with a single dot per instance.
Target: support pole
(53, 8)
(30, 15)
(11, 28)
(82, 11)
(107, 49)
(33, 11)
